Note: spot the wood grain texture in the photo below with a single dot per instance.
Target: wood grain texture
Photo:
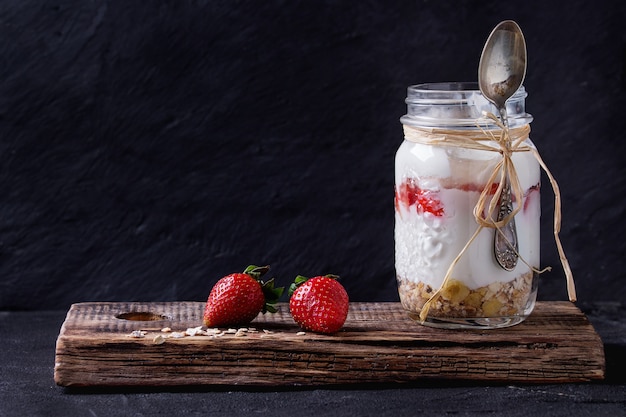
(378, 344)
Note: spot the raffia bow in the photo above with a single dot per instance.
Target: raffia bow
(508, 141)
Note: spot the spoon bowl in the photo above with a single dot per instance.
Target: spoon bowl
(502, 66)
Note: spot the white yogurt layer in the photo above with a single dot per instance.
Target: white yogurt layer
(427, 244)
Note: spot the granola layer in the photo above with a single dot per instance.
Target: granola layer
(498, 299)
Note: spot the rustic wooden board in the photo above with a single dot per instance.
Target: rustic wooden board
(379, 344)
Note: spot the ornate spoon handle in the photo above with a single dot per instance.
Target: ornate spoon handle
(505, 246)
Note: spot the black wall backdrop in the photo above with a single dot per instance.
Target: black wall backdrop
(148, 148)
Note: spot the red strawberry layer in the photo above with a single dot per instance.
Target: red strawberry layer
(409, 194)
(528, 194)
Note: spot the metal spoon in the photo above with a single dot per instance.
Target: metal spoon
(501, 72)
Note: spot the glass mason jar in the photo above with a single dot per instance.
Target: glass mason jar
(437, 188)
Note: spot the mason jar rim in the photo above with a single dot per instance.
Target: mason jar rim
(458, 104)
(450, 90)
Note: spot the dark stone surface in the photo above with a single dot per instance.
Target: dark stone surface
(147, 150)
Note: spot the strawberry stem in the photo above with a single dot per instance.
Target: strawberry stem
(271, 293)
(299, 280)
(256, 272)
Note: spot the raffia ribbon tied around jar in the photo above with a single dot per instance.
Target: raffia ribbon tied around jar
(485, 211)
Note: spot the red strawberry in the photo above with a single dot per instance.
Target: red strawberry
(238, 298)
(528, 197)
(409, 193)
(319, 304)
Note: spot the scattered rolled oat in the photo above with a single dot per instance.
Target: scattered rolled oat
(240, 333)
(195, 331)
(166, 330)
(231, 331)
(300, 333)
(178, 335)
(138, 334)
(158, 339)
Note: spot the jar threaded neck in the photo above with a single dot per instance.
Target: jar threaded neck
(458, 105)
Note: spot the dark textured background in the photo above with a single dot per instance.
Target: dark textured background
(148, 149)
